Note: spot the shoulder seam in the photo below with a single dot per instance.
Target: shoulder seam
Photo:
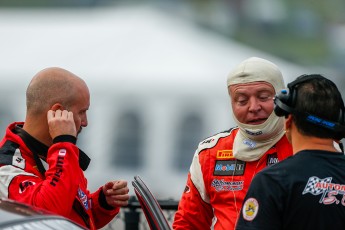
(211, 141)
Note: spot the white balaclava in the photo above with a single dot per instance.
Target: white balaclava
(252, 141)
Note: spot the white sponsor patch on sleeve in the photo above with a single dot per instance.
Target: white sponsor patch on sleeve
(18, 160)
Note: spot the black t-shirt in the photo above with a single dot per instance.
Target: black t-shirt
(305, 191)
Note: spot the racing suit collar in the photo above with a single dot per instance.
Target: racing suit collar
(41, 149)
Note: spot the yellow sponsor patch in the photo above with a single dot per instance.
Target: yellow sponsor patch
(225, 154)
(250, 209)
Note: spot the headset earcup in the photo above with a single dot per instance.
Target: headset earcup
(279, 112)
(279, 109)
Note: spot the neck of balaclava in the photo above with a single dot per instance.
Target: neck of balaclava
(252, 141)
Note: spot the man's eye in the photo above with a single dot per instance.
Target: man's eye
(242, 101)
(265, 97)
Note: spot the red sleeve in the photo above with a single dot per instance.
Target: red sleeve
(102, 216)
(63, 175)
(193, 212)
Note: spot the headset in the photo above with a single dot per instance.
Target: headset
(285, 101)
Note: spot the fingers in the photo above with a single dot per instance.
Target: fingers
(58, 113)
(61, 122)
(119, 200)
(116, 193)
(50, 115)
(119, 184)
(64, 114)
(108, 185)
(115, 188)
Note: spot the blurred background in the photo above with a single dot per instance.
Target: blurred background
(157, 70)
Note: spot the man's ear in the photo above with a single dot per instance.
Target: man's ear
(57, 106)
(288, 122)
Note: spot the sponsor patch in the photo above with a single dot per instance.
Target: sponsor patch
(224, 154)
(18, 160)
(221, 185)
(272, 159)
(251, 144)
(207, 141)
(83, 198)
(59, 167)
(250, 209)
(62, 152)
(24, 185)
(229, 168)
(253, 133)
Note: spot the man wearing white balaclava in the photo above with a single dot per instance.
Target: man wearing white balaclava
(253, 141)
(224, 164)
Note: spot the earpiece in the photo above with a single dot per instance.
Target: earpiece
(284, 103)
(281, 107)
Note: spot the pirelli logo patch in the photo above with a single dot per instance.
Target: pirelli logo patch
(224, 154)
(229, 168)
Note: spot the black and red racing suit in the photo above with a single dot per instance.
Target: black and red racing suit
(61, 188)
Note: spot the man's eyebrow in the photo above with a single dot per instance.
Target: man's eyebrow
(265, 90)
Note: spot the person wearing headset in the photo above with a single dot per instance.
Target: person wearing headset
(307, 190)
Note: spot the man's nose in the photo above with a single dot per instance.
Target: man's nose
(254, 105)
(84, 122)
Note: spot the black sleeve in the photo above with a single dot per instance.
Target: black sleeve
(262, 206)
(65, 138)
(103, 202)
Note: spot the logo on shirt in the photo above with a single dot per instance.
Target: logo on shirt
(221, 185)
(251, 144)
(253, 133)
(224, 154)
(24, 185)
(250, 209)
(207, 141)
(59, 167)
(83, 198)
(62, 152)
(329, 191)
(229, 168)
(272, 159)
(18, 159)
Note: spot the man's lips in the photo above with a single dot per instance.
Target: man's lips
(257, 121)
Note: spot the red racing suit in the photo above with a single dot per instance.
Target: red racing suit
(62, 189)
(217, 182)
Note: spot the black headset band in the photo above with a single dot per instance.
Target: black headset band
(304, 78)
(307, 77)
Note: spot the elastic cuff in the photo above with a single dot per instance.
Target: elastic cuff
(65, 138)
(102, 201)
